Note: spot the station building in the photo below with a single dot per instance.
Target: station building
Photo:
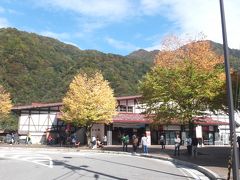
(39, 119)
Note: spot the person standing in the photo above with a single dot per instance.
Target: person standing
(177, 142)
(125, 141)
(135, 143)
(194, 146)
(94, 142)
(162, 141)
(13, 138)
(189, 145)
(105, 140)
(144, 143)
(238, 141)
(28, 139)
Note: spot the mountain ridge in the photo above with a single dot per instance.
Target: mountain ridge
(35, 68)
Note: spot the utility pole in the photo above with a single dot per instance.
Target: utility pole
(232, 124)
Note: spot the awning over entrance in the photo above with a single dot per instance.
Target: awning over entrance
(208, 121)
(129, 125)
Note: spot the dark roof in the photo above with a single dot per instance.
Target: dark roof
(129, 97)
(36, 106)
(131, 118)
(142, 118)
(46, 105)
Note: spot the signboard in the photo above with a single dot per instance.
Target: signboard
(199, 132)
(172, 128)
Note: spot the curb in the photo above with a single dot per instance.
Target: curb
(210, 174)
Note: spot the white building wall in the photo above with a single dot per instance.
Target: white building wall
(224, 130)
(36, 125)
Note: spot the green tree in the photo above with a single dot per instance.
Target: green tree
(89, 100)
(185, 82)
(9, 123)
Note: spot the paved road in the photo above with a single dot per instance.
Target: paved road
(30, 164)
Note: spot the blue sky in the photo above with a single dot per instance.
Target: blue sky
(121, 26)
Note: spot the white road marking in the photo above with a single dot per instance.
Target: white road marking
(40, 159)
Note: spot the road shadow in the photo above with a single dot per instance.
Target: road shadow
(76, 169)
(142, 168)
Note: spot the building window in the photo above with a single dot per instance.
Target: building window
(130, 108)
(123, 108)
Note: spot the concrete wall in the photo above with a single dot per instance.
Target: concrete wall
(98, 131)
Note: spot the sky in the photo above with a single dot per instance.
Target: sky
(122, 26)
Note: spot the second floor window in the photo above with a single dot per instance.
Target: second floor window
(130, 109)
(124, 108)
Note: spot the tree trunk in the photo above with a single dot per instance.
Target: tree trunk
(88, 134)
(191, 128)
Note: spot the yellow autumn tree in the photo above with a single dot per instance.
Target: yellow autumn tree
(5, 103)
(89, 100)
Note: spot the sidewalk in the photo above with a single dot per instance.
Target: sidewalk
(214, 158)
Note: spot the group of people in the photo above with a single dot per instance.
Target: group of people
(135, 143)
(192, 144)
(61, 139)
(14, 138)
(97, 143)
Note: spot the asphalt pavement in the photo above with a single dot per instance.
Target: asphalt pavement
(211, 160)
(88, 165)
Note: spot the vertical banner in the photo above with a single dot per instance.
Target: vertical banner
(109, 137)
(199, 131)
(183, 135)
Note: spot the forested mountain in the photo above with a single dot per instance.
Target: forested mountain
(149, 56)
(142, 54)
(234, 55)
(35, 68)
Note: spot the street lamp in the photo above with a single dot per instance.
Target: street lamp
(232, 124)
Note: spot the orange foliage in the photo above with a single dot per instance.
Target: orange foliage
(198, 53)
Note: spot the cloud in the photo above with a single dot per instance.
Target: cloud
(182, 16)
(121, 45)
(151, 7)
(60, 36)
(71, 43)
(4, 22)
(201, 16)
(64, 37)
(88, 26)
(92, 8)
(92, 14)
